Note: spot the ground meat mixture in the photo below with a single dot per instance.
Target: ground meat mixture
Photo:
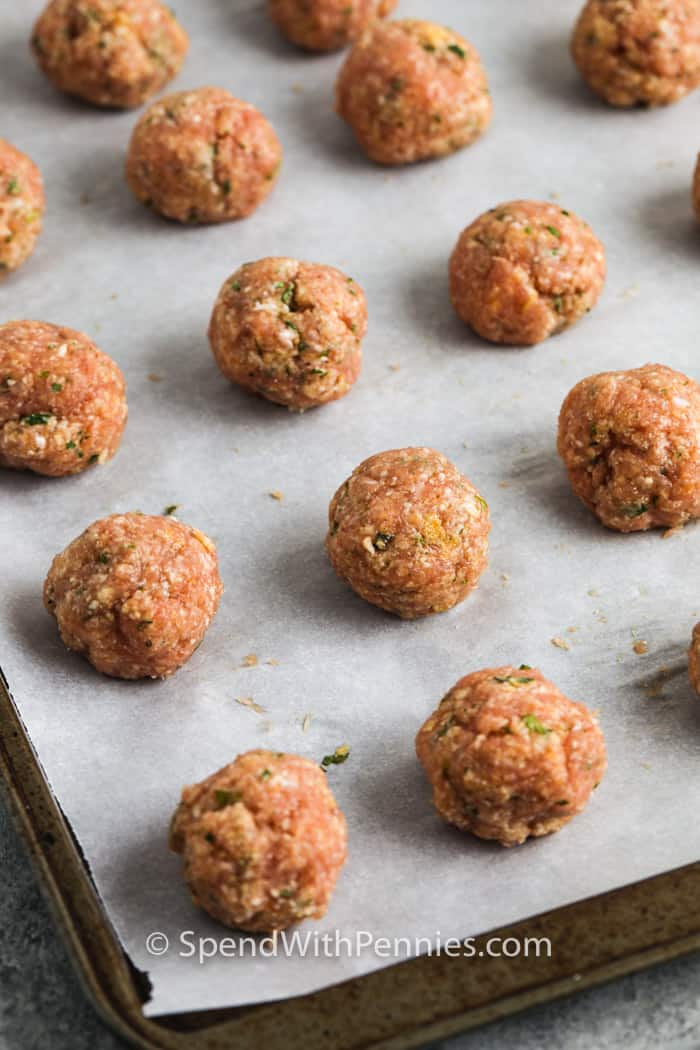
(694, 659)
(289, 331)
(62, 401)
(630, 442)
(21, 206)
(326, 25)
(135, 594)
(695, 194)
(509, 756)
(109, 52)
(408, 532)
(263, 841)
(202, 156)
(639, 52)
(412, 90)
(524, 271)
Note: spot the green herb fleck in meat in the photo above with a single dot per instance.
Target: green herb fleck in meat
(457, 50)
(635, 510)
(288, 293)
(382, 540)
(445, 727)
(534, 725)
(226, 798)
(36, 419)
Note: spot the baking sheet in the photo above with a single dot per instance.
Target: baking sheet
(118, 753)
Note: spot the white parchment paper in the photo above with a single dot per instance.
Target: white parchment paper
(116, 753)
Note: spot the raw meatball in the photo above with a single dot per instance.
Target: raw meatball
(509, 756)
(696, 189)
(21, 206)
(109, 52)
(630, 442)
(412, 90)
(135, 594)
(263, 841)
(408, 532)
(635, 52)
(326, 25)
(62, 401)
(694, 659)
(202, 156)
(524, 271)
(289, 331)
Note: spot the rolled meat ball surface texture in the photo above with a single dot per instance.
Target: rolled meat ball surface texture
(525, 270)
(263, 841)
(639, 52)
(630, 441)
(62, 400)
(202, 156)
(413, 90)
(21, 207)
(290, 331)
(408, 532)
(113, 53)
(695, 191)
(509, 756)
(326, 25)
(694, 659)
(135, 594)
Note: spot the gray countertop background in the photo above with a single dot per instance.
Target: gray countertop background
(42, 1004)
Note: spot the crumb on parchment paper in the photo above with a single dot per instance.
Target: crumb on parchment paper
(306, 722)
(560, 643)
(276, 495)
(154, 377)
(250, 660)
(640, 647)
(247, 701)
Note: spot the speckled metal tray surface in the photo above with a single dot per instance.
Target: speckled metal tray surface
(112, 756)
